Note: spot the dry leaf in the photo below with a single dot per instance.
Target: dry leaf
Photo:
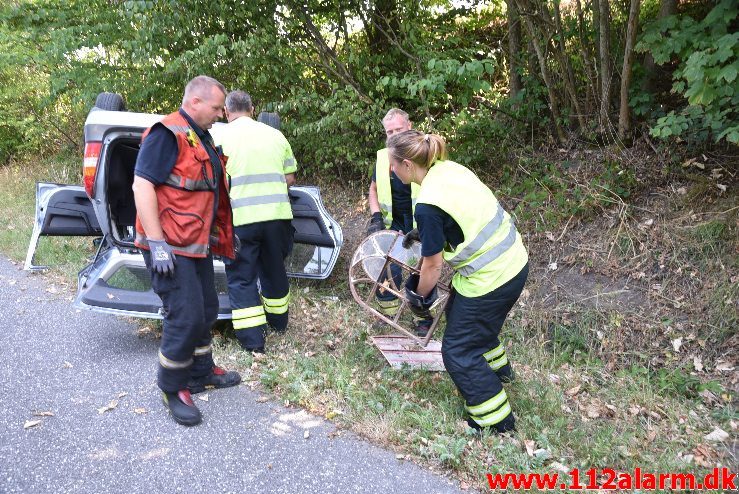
(43, 414)
(560, 467)
(306, 434)
(550, 236)
(203, 397)
(67, 365)
(399, 457)
(592, 412)
(717, 435)
(724, 366)
(722, 187)
(309, 354)
(530, 445)
(573, 391)
(698, 364)
(139, 411)
(464, 486)
(677, 343)
(122, 394)
(31, 423)
(262, 399)
(110, 406)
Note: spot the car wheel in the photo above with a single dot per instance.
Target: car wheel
(110, 102)
(270, 118)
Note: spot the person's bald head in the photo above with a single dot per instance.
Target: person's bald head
(203, 100)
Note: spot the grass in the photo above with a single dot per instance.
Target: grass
(583, 396)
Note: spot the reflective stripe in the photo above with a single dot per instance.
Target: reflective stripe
(249, 317)
(288, 162)
(188, 183)
(190, 249)
(261, 178)
(178, 128)
(495, 417)
(173, 364)
(494, 353)
(479, 241)
(255, 201)
(490, 255)
(276, 305)
(501, 361)
(488, 406)
(202, 350)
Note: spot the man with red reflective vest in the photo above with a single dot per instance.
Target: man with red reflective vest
(262, 168)
(183, 218)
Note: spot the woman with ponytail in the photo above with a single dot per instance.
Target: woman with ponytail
(461, 222)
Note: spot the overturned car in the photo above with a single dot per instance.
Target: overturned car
(116, 280)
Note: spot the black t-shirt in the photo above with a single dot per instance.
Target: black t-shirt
(402, 203)
(436, 229)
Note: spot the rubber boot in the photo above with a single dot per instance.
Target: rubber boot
(182, 408)
(218, 378)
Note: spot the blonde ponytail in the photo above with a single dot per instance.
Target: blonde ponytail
(422, 149)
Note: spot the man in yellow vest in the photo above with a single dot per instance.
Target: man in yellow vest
(262, 167)
(391, 201)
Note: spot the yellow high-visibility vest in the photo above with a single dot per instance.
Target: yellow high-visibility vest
(259, 157)
(492, 252)
(384, 190)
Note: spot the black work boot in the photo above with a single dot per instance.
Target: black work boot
(182, 408)
(422, 327)
(218, 378)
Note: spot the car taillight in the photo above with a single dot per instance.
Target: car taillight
(90, 164)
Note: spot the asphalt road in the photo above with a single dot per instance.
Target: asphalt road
(54, 358)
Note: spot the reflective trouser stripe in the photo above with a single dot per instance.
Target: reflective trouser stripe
(493, 418)
(202, 350)
(249, 317)
(490, 405)
(276, 305)
(173, 364)
(496, 357)
(492, 411)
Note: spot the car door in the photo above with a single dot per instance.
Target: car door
(61, 210)
(117, 281)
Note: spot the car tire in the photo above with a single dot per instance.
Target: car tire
(110, 102)
(270, 118)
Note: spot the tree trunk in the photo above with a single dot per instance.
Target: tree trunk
(514, 49)
(590, 73)
(605, 62)
(553, 105)
(595, 5)
(624, 123)
(666, 8)
(564, 61)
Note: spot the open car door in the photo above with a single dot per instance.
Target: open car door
(61, 210)
(117, 280)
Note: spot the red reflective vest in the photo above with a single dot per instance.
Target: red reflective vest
(186, 199)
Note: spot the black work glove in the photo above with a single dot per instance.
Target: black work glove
(237, 244)
(419, 305)
(162, 257)
(376, 224)
(410, 237)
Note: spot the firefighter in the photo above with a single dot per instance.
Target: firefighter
(262, 167)
(391, 203)
(461, 222)
(183, 217)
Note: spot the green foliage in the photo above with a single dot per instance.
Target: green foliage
(707, 54)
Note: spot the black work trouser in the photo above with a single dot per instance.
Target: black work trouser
(264, 247)
(190, 308)
(473, 355)
(395, 271)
